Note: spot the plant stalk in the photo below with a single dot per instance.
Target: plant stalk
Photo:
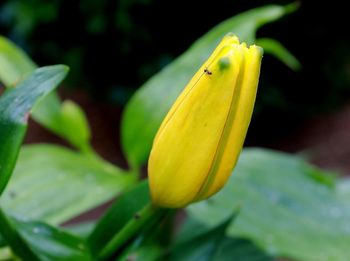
(149, 213)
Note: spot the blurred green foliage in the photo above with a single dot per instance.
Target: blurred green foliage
(87, 182)
(143, 113)
(274, 206)
(113, 47)
(309, 224)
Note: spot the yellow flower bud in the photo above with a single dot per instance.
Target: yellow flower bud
(200, 139)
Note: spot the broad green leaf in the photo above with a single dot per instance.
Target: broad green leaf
(275, 48)
(57, 117)
(15, 105)
(343, 189)
(118, 216)
(14, 63)
(14, 239)
(196, 242)
(202, 247)
(285, 210)
(50, 243)
(240, 250)
(149, 105)
(53, 184)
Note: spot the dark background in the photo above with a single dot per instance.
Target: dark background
(113, 47)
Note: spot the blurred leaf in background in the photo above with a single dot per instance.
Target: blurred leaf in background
(285, 207)
(123, 30)
(65, 119)
(90, 33)
(143, 115)
(288, 208)
(75, 184)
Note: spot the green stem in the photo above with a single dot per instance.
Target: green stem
(138, 222)
(15, 241)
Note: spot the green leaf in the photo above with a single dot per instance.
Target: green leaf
(240, 250)
(66, 119)
(60, 119)
(284, 209)
(14, 239)
(15, 105)
(51, 243)
(202, 247)
(14, 63)
(77, 129)
(54, 184)
(147, 108)
(343, 189)
(118, 216)
(45, 242)
(275, 48)
(197, 242)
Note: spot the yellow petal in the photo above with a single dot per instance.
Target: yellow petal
(200, 139)
(237, 123)
(229, 39)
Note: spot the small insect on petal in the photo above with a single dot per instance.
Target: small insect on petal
(207, 71)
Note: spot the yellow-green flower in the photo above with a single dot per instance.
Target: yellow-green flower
(200, 139)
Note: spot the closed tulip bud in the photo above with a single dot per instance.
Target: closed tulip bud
(200, 139)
